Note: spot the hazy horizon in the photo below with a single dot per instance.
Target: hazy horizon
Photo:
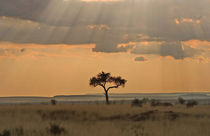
(101, 93)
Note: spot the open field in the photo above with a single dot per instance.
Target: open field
(104, 120)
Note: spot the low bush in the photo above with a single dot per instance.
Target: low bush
(5, 132)
(53, 102)
(181, 100)
(191, 103)
(154, 103)
(55, 129)
(137, 102)
(145, 100)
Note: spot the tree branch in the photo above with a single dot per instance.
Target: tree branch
(103, 86)
(112, 87)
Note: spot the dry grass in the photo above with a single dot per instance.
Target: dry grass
(103, 120)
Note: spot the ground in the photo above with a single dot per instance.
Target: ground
(104, 120)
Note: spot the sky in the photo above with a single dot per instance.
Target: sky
(53, 47)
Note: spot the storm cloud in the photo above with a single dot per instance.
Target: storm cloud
(140, 58)
(108, 24)
(174, 49)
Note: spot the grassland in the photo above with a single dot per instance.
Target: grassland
(104, 120)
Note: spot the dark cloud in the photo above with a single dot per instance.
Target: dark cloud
(175, 50)
(140, 58)
(111, 49)
(105, 24)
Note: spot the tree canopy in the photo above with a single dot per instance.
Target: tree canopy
(103, 79)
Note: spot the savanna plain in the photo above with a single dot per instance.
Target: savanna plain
(104, 120)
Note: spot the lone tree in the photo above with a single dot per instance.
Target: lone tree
(103, 79)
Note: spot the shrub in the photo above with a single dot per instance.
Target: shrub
(5, 132)
(158, 103)
(136, 102)
(191, 103)
(181, 100)
(15, 131)
(145, 100)
(154, 103)
(55, 129)
(53, 102)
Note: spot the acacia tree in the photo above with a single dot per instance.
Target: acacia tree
(107, 82)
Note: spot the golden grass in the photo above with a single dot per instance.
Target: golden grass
(107, 120)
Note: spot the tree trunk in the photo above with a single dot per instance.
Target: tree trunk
(107, 97)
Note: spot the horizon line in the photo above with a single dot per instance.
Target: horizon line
(33, 96)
